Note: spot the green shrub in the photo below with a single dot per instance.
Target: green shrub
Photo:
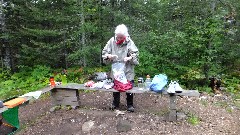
(193, 119)
(26, 80)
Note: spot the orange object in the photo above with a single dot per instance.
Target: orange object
(14, 102)
(52, 81)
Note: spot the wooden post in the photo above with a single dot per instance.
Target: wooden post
(173, 110)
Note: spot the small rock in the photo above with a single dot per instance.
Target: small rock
(72, 120)
(123, 126)
(203, 98)
(87, 126)
(102, 126)
(55, 108)
(181, 116)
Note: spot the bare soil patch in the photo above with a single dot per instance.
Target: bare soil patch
(214, 115)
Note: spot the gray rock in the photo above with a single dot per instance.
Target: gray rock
(103, 126)
(52, 109)
(87, 126)
(123, 126)
(181, 116)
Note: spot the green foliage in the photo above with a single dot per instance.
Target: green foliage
(204, 102)
(187, 40)
(77, 74)
(231, 84)
(29, 79)
(227, 105)
(236, 96)
(229, 109)
(193, 119)
(223, 104)
(4, 75)
(145, 67)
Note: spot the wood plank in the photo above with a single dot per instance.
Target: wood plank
(66, 102)
(66, 98)
(172, 108)
(190, 93)
(61, 98)
(46, 89)
(172, 115)
(172, 105)
(65, 92)
(133, 90)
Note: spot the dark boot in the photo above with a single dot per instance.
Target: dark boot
(116, 101)
(130, 107)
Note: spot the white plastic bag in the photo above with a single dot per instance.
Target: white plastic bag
(99, 76)
(118, 72)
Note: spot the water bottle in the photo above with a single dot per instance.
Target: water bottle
(148, 82)
(64, 79)
(140, 83)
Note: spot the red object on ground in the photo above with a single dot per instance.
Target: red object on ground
(122, 87)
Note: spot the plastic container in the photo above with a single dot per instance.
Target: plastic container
(52, 81)
(140, 83)
(148, 82)
(64, 80)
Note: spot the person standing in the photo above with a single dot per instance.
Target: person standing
(122, 48)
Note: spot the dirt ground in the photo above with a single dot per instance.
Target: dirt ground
(212, 116)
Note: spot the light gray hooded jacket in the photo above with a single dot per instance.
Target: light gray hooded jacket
(126, 49)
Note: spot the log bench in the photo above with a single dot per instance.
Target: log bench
(69, 95)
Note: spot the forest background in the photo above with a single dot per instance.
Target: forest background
(188, 40)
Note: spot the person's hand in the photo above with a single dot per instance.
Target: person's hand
(127, 59)
(110, 56)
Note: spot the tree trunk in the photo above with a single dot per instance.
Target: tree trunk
(5, 49)
(207, 65)
(112, 16)
(6, 56)
(83, 39)
(101, 28)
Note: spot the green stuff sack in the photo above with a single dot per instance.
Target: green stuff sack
(11, 116)
(9, 121)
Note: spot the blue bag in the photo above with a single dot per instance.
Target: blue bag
(158, 83)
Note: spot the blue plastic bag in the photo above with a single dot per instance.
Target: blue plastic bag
(158, 83)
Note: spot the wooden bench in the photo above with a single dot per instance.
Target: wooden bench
(69, 95)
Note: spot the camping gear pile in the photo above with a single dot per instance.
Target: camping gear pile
(99, 80)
